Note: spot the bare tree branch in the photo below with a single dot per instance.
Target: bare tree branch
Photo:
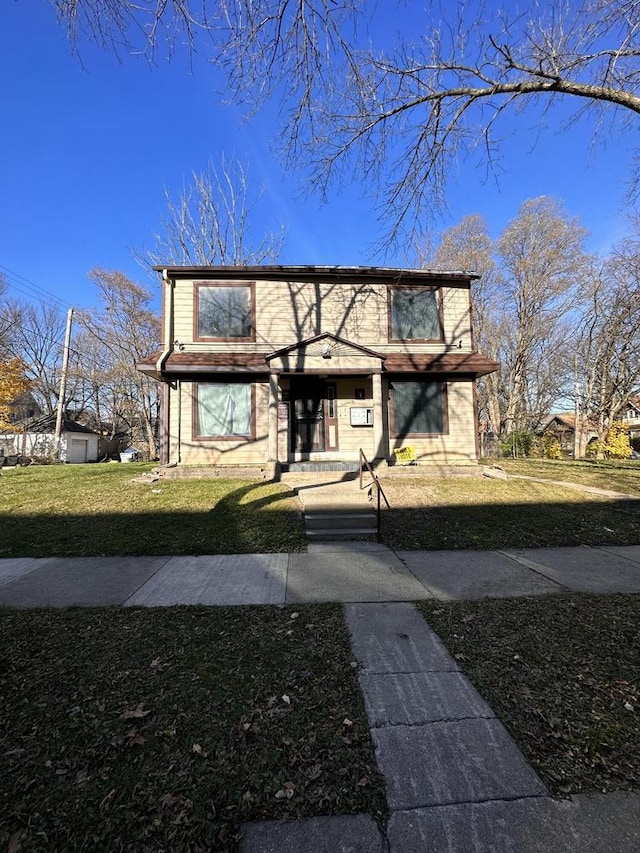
(400, 116)
(211, 222)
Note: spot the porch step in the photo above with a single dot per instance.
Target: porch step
(333, 533)
(348, 520)
(339, 521)
(316, 467)
(335, 510)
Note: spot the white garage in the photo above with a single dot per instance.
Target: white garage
(36, 438)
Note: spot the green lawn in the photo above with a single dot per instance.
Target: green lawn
(562, 672)
(622, 476)
(81, 510)
(164, 729)
(476, 512)
(84, 510)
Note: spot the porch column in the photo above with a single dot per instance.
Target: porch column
(378, 425)
(272, 443)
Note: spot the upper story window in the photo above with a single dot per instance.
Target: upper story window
(414, 314)
(225, 311)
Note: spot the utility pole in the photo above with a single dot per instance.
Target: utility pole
(63, 384)
(577, 427)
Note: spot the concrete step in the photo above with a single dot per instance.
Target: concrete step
(320, 467)
(336, 507)
(337, 511)
(348, 520)
(333, 533)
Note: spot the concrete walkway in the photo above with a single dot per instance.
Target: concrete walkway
(348, 572)
(455, 780)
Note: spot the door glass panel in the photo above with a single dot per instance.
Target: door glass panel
(331, 402)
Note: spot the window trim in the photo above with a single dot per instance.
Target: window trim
(203, 285)
(445, 409)
(194, 412)
(432, 287)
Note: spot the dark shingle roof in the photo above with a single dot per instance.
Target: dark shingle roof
(47, 424)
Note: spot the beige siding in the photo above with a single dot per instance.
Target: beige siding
(457, 317)
(291, 312)
(352, 438)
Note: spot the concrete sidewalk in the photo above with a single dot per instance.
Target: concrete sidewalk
(347, 572)
(455, 780)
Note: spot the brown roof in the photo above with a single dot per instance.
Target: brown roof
(440, 363)
(242, 362)
(206, 362)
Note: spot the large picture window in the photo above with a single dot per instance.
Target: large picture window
(419, 408)
(224, 311)
(223, 410)
(414, 314)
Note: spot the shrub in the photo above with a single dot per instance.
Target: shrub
(551, 448)
(518, 443)
(616, 443)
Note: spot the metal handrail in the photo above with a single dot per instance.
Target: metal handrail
(376, 483)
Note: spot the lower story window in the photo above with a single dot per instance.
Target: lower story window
(223, 409)
(419, 408)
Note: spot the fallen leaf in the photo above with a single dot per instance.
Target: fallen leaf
(107, 800)
(15, 842)
(172, 800)
(134, 713)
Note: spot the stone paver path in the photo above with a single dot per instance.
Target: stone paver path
(437, 742)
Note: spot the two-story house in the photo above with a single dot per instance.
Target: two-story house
(273, 364)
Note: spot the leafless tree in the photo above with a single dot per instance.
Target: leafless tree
(38, 339)
(522, 316)
(402, 116)
(608, 346)
(210, 222)
(127, 330)
(468, 246)
(10, 315)
(543, 262)
(132, 26)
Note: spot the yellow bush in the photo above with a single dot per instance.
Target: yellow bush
(616, 443)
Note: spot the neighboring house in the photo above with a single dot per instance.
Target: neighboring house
(36, 438)
(23, 407)
(285, 363)
(631, 417)
(562, 426)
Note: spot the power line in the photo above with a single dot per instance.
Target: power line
(30, 289)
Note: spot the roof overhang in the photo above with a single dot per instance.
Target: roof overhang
(180, 363)
(472, 363)
(338, 274)
(322, 354)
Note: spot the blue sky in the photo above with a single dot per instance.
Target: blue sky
(88, 148)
